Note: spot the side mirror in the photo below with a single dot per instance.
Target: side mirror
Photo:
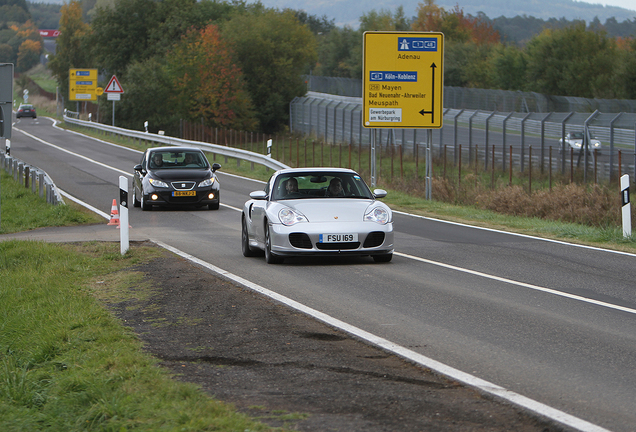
(258, 195)
(379, 193)
(138, 167)
(216, 166)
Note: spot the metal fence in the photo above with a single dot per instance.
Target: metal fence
(32, 178)
(338, 119)
(486, 99)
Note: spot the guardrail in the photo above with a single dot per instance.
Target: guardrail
(31, 176)
(239, 154)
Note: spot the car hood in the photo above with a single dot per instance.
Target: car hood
(181, 174)
(328, 210)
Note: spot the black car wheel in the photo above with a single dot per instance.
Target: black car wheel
(215, 206)
(245, 242)
(270, 258)
(145, 206)
(136, 202)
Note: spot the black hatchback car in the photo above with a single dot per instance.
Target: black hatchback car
(26, 110)
(175, 176)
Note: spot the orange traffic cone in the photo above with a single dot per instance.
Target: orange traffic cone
(114, 215)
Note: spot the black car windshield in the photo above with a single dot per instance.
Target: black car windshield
(325, 184)
(576, 135)
(180, 160)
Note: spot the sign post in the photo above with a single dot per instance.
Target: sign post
(114, 91)
(403, 82)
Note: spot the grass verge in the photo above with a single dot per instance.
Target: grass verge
(66, 364)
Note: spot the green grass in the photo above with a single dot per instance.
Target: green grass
(15, 199)
(66, 364)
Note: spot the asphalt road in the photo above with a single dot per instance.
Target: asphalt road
(550, 321)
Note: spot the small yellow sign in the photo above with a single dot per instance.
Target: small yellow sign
(403, 80)
(82, 84)
(99, 91)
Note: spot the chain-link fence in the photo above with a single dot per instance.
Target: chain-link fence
(337, 119)
(486, 99)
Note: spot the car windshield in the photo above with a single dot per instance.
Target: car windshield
(26, 106)
(320, 185)
(181, 160)
(576, 135)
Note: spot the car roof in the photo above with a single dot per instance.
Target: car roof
(173, 149)
(314, 170)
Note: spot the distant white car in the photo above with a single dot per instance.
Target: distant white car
(575, 141)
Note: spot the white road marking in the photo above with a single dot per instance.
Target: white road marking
(521, 284)
(470, 380)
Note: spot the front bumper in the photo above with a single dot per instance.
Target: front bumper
(303, 239)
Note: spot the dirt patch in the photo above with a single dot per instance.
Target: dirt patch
(291, 371)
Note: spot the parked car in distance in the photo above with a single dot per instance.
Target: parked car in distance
(175, 176)
(317, 211)
(26, 110)
(575, 141)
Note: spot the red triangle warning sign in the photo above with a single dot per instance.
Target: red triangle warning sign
(113, 86)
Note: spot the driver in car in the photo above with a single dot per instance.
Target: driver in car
(157, 160)
(291, 186)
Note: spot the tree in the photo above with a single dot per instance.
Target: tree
(273, 50)
(72, 50)
(207, 85)
(384, 21)
(28, 55)
(148, 98)
(340, 53)
(573, 62)
(121, 35)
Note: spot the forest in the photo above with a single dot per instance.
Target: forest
(237, 65)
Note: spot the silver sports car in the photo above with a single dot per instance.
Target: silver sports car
(317, 211)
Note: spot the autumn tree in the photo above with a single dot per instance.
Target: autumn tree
(72, 50)
(273, 49)
(207, 84)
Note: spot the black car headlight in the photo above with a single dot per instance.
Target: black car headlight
(208, 182)
(158, 183)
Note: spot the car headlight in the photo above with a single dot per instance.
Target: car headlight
(378, 215)
(208, 182)
(289, 217)
(578, 144)
(158, 183)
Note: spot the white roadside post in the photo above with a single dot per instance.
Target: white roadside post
(124, 236)
(269, 148)
(627, 209)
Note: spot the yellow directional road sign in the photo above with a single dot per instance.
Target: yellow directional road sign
(82, 84)
(403, 80)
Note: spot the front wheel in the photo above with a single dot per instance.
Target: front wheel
(245, 241)
(270, 258)
(136, 202)
(145, 205)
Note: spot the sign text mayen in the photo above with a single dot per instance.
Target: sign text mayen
(403, 80)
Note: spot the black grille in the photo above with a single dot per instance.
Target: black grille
(300, 240)
(183, 185)
(374, 239)
(338, 246)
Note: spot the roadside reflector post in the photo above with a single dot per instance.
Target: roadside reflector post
(124, 234)
(627, 210)
(269, 148)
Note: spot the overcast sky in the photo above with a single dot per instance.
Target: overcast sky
(627, 4)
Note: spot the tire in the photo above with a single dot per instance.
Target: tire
(245, 242)
(136, 202)
(145, 206)
(270, 257)
(383, 258)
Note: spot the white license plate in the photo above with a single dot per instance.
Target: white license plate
(338, 238)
